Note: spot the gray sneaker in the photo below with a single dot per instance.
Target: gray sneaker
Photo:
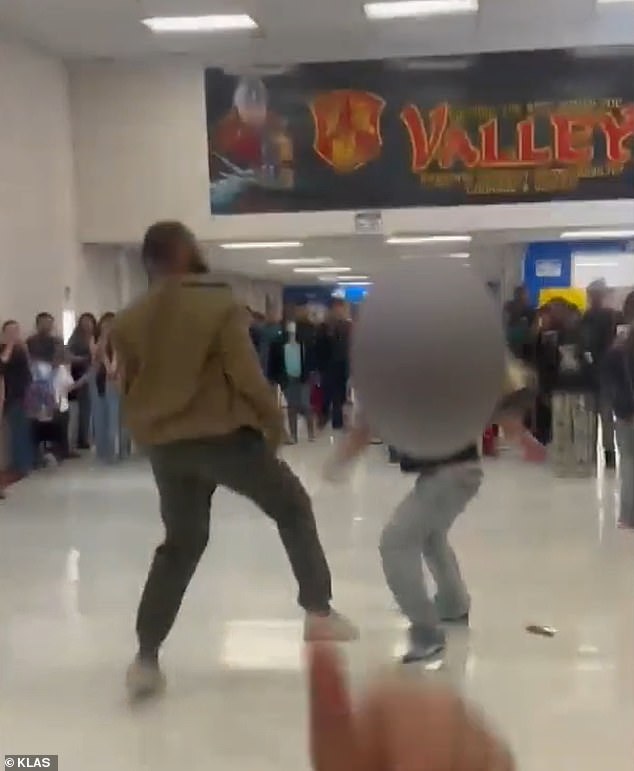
(330, 627)
(144, 679)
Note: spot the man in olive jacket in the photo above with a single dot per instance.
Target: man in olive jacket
(195, 397)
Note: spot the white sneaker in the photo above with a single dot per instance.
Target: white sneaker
(144, 679)
(332, 627)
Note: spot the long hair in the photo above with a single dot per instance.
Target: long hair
(78, 332)
(161, 245)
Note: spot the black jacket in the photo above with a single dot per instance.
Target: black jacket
(564, 361)
(618, 370)
(599, 331)
(16, 372)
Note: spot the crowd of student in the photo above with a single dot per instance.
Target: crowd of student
(584, 363)
(59, 399)
(309, 361)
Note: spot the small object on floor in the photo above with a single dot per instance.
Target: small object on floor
(3, 495)
(144, 679)
(625, 525)
(541, 631)
(610, 460)
(332, 627)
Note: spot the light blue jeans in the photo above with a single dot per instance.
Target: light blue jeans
(111, 441)
(419, 530)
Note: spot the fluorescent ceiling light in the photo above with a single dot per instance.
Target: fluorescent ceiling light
(597, 265)
(442, 239)
(301, 261)
(403, 9)
(355, 283)
(262, 245)
(212, 23)
(592, 235)
(614, 2)
(427, 256)
(327, 279)
(322, 270)
(353, 278)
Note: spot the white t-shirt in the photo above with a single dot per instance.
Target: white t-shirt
(62, 382)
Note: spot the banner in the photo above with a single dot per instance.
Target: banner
(441, 131)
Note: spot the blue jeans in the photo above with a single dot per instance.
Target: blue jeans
(110, 442)
(21, 450)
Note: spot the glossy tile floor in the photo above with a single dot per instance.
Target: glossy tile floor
(75, 546)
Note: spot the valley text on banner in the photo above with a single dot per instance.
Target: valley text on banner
(482, 129)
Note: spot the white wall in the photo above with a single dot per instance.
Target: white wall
(37, 216)
(109, 277)
(140, 140)
(98, 284)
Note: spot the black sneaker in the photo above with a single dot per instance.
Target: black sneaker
(610, 460)
(425, 645)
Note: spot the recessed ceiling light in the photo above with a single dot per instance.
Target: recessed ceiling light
(262, 245)
(590, 235)
(403, 9)
(213, 23)
(334, 269)
(441, 239)
(300, 261)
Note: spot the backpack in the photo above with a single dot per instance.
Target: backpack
(40, 402)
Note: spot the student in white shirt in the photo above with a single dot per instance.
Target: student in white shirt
(54, 429)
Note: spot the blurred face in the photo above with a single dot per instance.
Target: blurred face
(596, 299)
(106, 325)
(45, 325)
(11, 333)
(301, 313)
(87, 325)
(339, 311)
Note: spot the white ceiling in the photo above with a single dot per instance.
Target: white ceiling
(309, 30)
(364, 255)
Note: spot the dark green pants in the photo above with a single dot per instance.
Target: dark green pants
(187, 474)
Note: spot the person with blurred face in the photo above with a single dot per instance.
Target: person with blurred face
(16, 373)
(333, 355)
(599, 327)
(110, 441)
(196, 399)
(43, 344)
(291, 364)
(519, 318)
(618, 373)
(80, 347)
(568, 349)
